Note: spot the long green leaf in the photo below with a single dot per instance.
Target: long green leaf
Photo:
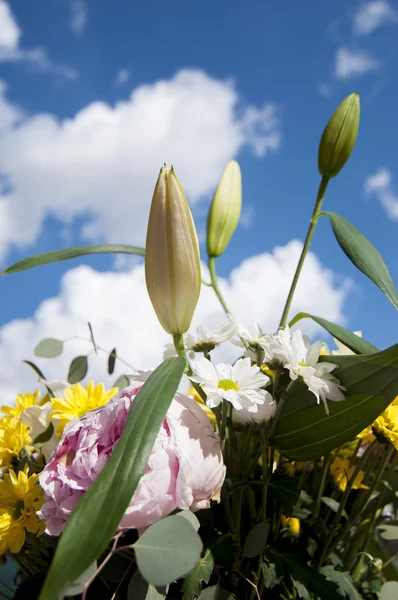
(96, 517)
(364, 255)
(349, 339)
(46, 258)
(306, 432)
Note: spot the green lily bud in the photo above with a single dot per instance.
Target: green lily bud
(339, 137)
(225, 208)
(172, 261)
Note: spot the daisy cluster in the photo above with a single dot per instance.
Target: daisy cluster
(244, 383)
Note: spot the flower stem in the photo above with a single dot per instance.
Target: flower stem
(318, 205)
(322, 485)
(214, 283)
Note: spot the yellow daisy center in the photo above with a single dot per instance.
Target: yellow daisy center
(228, 384)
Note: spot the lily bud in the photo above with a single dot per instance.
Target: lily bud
(225, 208)
(339, 137)
(172, 261)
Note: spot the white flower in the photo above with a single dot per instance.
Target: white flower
(316, 375)
(341, 348)
(280, 345)
(240, 384)
(140, 377)
(37, 419)
(204, 340)
(265, 412)
(252, 339)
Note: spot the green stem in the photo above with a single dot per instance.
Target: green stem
(328, 546)
(179, 345)
(224, 420)
(307, 242)
(7, 587)
(322, 485)
(213, 277)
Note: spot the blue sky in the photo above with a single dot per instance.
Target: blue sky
(95, 96)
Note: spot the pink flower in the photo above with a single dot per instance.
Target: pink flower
(185, 469)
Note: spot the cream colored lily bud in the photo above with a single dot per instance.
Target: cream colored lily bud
(339, 137)
(172, 261)
(225, 208)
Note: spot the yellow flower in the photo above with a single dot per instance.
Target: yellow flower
(342, 472)
(366, 435)
(78, 401)
(386, 426)
(194, 394)
(22, 402)
(20, 499)
(292, 523)
(14, 436)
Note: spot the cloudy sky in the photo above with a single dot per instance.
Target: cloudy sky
(95, 96)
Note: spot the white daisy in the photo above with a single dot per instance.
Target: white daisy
(205, 340)
(252, 339)
(243, 418)
(240, 384)
(316, 375)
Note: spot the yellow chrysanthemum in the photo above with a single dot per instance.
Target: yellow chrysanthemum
(14, 436)
(292, 523)
(366, 435)
(386, 426)
(194, 394)
(22, 402)
(342, 472)
(20, 498)
(78, 401)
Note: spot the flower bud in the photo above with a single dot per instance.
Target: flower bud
(225, 208)
(172, 261)
(339, 137)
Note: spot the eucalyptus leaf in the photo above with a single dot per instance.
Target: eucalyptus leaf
(333, 505)
(388, 532)
(42, 438)
(190, 517)
(40, 374)
(46, 258)
(389, 591)
(49, 348)
(111, 361)
(305, 432)
(87, 532)
(214, 592)
(167, 550)
(363, 255)
(256, 540)
(349, 339)
(122, 382)
(78, 369)
(77, 587)
(139, 589)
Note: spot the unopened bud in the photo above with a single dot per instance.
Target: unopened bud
(172, 261)
(339, 137)
(225, 208)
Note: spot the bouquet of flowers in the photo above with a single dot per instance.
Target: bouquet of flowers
(271, 477)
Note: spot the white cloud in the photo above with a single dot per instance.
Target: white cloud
(324, 90)
(122, 77)
(120, 312)
(78, 19)
(353, 63)
(9, 30)
(380, 185)
(36, 58)
(103, 163)
(9, 114)
(374, 14)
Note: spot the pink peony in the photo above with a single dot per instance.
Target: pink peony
(185, 468)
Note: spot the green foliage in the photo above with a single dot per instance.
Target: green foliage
(83, 540)
(333, 505)
(200, 574)
(121, 382)
(111, 361)
(285, 490)
(42, 438)
(139, 589)
(78, 369)
(214, 592)
(256, 540)
(306, 432)
(168, 550)
(389, 532)
(49, 348)
(295, 565)
(363, 255)
(349, 339)
(389, 591)
(58, 255)
(344, 581)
